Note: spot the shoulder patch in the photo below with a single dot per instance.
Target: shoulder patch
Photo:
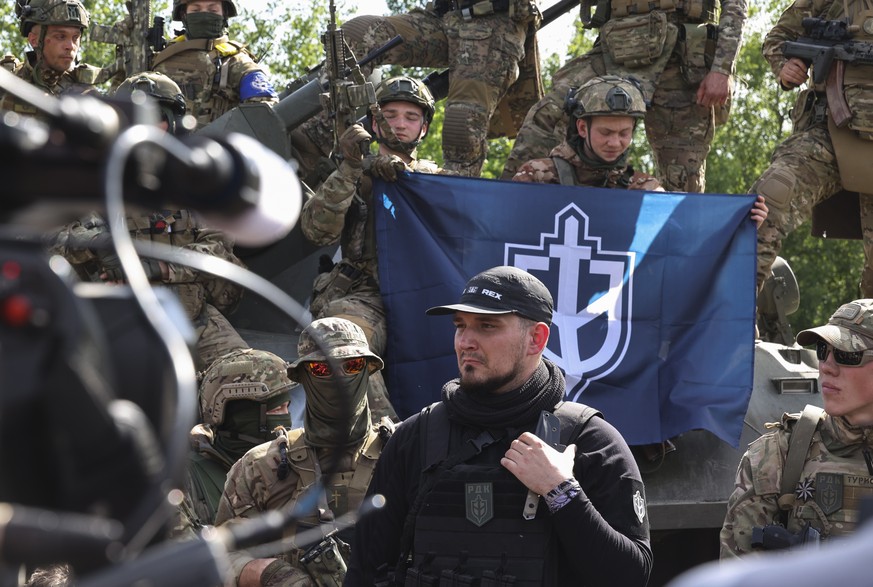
(256, 85)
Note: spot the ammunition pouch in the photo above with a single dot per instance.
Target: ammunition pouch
(858, 90)
(696, 49)
(635, 41)
(326, 562)
(809, 109)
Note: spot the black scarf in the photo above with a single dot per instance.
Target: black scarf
(512, 409)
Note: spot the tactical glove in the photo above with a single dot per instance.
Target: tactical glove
(387, 167)
(280, 574)
(353, 144)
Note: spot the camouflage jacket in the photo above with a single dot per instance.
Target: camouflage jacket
(253, 484)
(833, 481)
(79, 80)
(209, 73)
(730, 35)
(545, 171)
(172, 227)
(342, 210)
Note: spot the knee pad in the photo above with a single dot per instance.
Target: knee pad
(465, 128)
(777, 187)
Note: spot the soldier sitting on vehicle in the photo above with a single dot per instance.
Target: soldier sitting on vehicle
(603, 114)
(343, 209)
(53, 29)
(683, 53)
(215, 73)
(243, 398)
(205, 298)
(273, 476)
(805, 480)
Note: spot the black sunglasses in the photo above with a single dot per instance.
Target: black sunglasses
(844, 358)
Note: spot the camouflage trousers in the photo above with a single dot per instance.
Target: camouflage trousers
(215, 337)
(678, 129)
(803, 172)
(363, 306)
(482, 53)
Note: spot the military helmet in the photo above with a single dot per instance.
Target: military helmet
(243, 374)
(179, 9)
(406, 89)
(341, 339)
(607, 95)
(50, 12)
(158, 86)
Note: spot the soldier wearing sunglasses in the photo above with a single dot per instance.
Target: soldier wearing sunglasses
(812, 472)
(335, 375)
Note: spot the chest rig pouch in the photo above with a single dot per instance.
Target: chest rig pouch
(635, 41)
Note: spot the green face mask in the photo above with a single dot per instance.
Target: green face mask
(242, 430)
(204, 25)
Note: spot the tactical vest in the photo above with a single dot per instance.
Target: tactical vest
(171, 227)
(80, 80)
(701, 11)
(612, 178)
(347, 489)
(827, 489)
(469, 528)
(200, 68)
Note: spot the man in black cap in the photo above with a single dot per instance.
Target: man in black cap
(463, 479)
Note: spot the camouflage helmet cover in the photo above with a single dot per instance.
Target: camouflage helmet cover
(607, 95)
(406, 89)
(340, 337)
(179, 9)
(50, 12)
(243, 374)
(158, 86)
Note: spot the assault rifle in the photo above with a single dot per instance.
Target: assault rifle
(348, 89)
(136, 42)
(827, 48)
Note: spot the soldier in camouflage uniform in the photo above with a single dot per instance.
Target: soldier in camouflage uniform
(243, 398)
(343, 209)
(206, 298)
(834, 467)
(603, 115)
(215, 73)
(54, 29)
(804, 169)
(683, 54)
(490, 48)
(274, 475)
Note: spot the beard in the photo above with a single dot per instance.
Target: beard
(487, 386)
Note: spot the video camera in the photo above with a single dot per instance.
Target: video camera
(98, 384)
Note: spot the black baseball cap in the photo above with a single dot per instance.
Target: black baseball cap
(503, 290)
